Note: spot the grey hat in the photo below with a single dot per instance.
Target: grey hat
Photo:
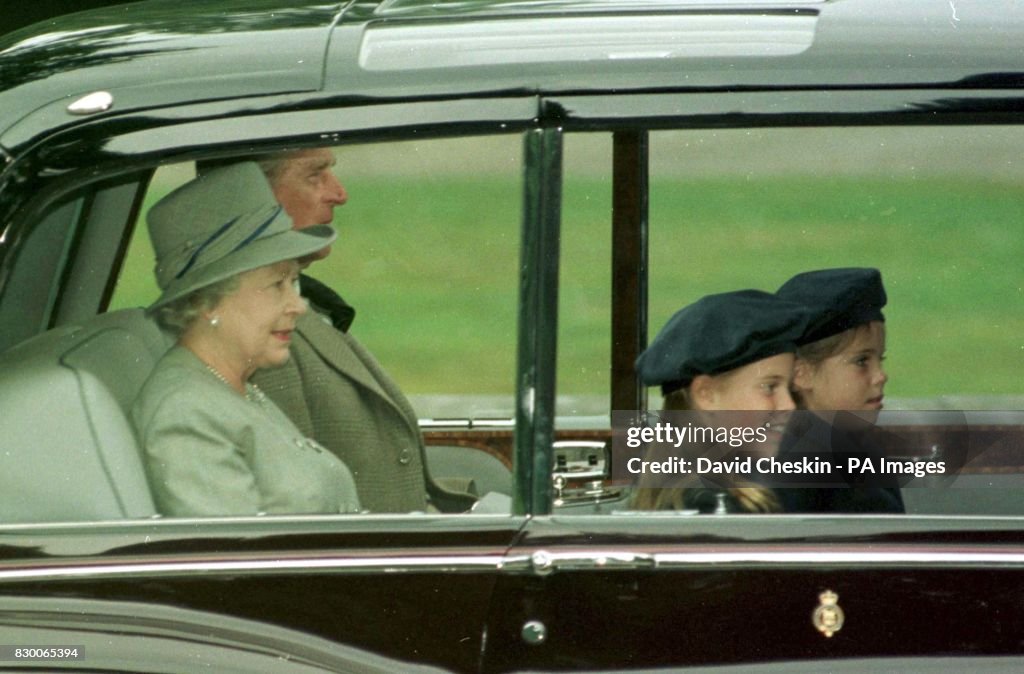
(221, 224)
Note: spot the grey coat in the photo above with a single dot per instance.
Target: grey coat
(209, 451)
(335, 391)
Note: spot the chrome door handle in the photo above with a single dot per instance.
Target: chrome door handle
(543, 562)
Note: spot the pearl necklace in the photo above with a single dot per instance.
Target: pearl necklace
(253, 393)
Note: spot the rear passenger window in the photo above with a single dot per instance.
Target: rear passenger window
(935, 209)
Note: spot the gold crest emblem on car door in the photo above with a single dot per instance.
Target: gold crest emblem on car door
(828, 617)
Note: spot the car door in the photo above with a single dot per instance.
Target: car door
(78, 522)
(747, 190)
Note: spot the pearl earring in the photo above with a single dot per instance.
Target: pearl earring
(215, 321)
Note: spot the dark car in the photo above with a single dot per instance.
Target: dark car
(534, 188)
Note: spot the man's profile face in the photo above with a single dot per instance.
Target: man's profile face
(308, 190)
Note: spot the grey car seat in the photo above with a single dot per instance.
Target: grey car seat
(67, 450)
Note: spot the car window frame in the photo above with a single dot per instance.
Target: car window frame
(544, 121)
(142, 151)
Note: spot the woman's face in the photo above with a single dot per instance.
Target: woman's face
(852, 379)
(255, 322)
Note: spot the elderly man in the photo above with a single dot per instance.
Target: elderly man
(332, 387)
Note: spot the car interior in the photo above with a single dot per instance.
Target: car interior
(423, 315)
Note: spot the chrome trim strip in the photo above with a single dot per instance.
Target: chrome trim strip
(597, 560)
(543, 562)
(487, 423)
(839, 558)
(430, 424)
(108, 569)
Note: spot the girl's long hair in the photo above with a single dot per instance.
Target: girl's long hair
(752, 498)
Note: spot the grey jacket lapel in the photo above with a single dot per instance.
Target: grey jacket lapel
(346, 355)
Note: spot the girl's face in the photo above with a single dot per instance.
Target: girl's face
(852, 379)
(761, 385)
(751, 396)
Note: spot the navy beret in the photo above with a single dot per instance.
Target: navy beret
(836, 299)
(718, 333)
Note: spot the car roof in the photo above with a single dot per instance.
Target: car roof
(572, 46)
(155, 54)
(167, 52)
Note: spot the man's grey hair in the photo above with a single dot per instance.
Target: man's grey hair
(273, 164)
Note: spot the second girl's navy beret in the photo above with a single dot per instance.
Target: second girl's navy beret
(836, 299)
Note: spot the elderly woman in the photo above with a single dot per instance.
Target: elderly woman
(730, 353)
(214, 444)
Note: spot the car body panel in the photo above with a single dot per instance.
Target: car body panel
(540, 589)
(416, 588)
(688, 590)
(259, 48)
(159, 638)
(848, 49)
(609, 590)
(845, 45)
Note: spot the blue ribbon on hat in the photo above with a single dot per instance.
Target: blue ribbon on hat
(213, 237)
(220, 232)
(259, 230)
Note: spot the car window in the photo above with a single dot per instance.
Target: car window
(136, 283)
(62, 270)
(45, 251)
(429, 245)
(584, 316)
(428, 255)
(935, 209)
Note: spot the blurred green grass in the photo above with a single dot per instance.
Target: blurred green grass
(432, 266)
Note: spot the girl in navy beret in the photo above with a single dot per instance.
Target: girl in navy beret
(838, 375)
(839, 359)
(731, 351)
